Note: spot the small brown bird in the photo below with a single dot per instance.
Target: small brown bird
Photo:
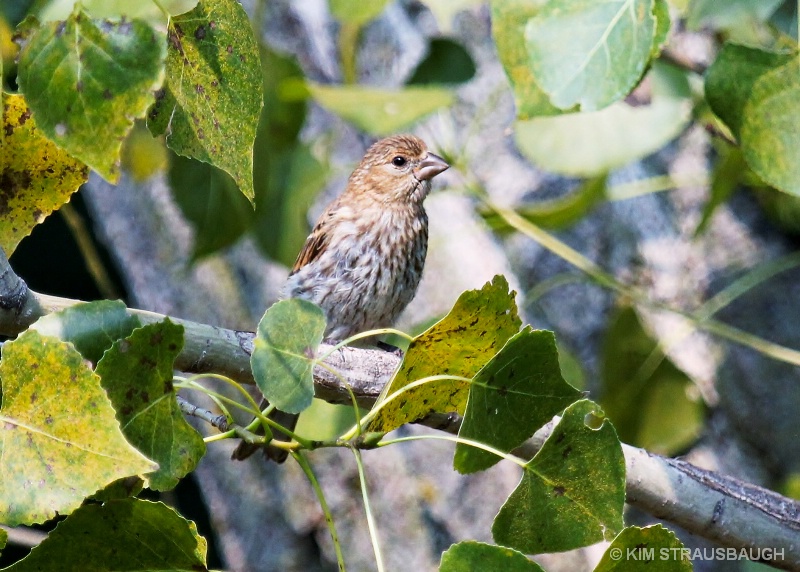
(363, 261)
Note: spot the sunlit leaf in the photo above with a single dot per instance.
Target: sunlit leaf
(92, 327)
(142, 9)
(470, 556)
(589, 144)
(129, 534)
(137, 375)
(59, 440)
(380, 111)
(480, 322)
(143, 155)
(509, 18)
(87, 80)
(36, 177)
(590, 53)
(356, 12)
(518, 391)
(572, 492)
(652, 548)
(211, 100)
(643, 392)
(284, 352)
(663, 24)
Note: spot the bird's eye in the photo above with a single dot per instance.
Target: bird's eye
(399, 161)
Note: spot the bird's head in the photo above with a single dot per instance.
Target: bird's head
(397, 169)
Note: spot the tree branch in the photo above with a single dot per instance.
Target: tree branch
(714, 506)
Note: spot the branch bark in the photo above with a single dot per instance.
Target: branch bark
(711, 505)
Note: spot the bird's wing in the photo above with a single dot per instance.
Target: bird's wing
(315, 245)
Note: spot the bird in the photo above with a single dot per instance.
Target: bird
(364, 258)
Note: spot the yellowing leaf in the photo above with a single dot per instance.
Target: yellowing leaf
(59, 440)
(36, 177)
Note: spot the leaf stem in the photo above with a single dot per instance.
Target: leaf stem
(455, 439)
(373, 531)
(306, 467)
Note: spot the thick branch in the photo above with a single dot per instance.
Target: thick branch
(711, 505)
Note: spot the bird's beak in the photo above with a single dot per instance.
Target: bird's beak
(429, 167)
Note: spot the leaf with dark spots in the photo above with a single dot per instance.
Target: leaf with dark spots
(139, 384)
(443, 347)
(559, 491)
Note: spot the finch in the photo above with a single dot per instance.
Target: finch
(363, 261)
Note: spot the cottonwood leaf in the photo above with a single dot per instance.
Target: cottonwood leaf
(92, 327)
(589, 53)
(715, 14)
(663, 25)
(770, 134)
(86, 80)
(284, 352)
(731, 79)
(143, 10)
(593, 143)
(211, 99)
(643, 392)
(509, 18)
(356, 12)
(36, 176)
(137, 375)
(572, 492)
(653, 548)
(381, 111)
(471, 555)
(129, 534)
(447, 62)
(518, 391)
(59, 440)
(480, 322)
(554, 213)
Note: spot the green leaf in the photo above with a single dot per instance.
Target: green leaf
(771, 127)
(285, 103)
(447, 62)
(293, 178)
(727, 174)
(556, 213)
(643, 392)
(92, 327)
(460, 344)
(356, 12)
(211, 100)
(3, 539)
(652, 548)
(471, 555)
(380, 111)
(143, 10)
(87, 80)
(572, 492)
(589, 53)
(137, 375)
(37, 177)
(284, 353)
(518, 391)
(211, 201)
(59, 440)
(731, 79)
(731, 13)
(509, 18)
(128, 534)
(593, 143)
(663, 24)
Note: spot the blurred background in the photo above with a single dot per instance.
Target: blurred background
(653, 194)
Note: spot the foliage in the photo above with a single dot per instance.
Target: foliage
(88, 396)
